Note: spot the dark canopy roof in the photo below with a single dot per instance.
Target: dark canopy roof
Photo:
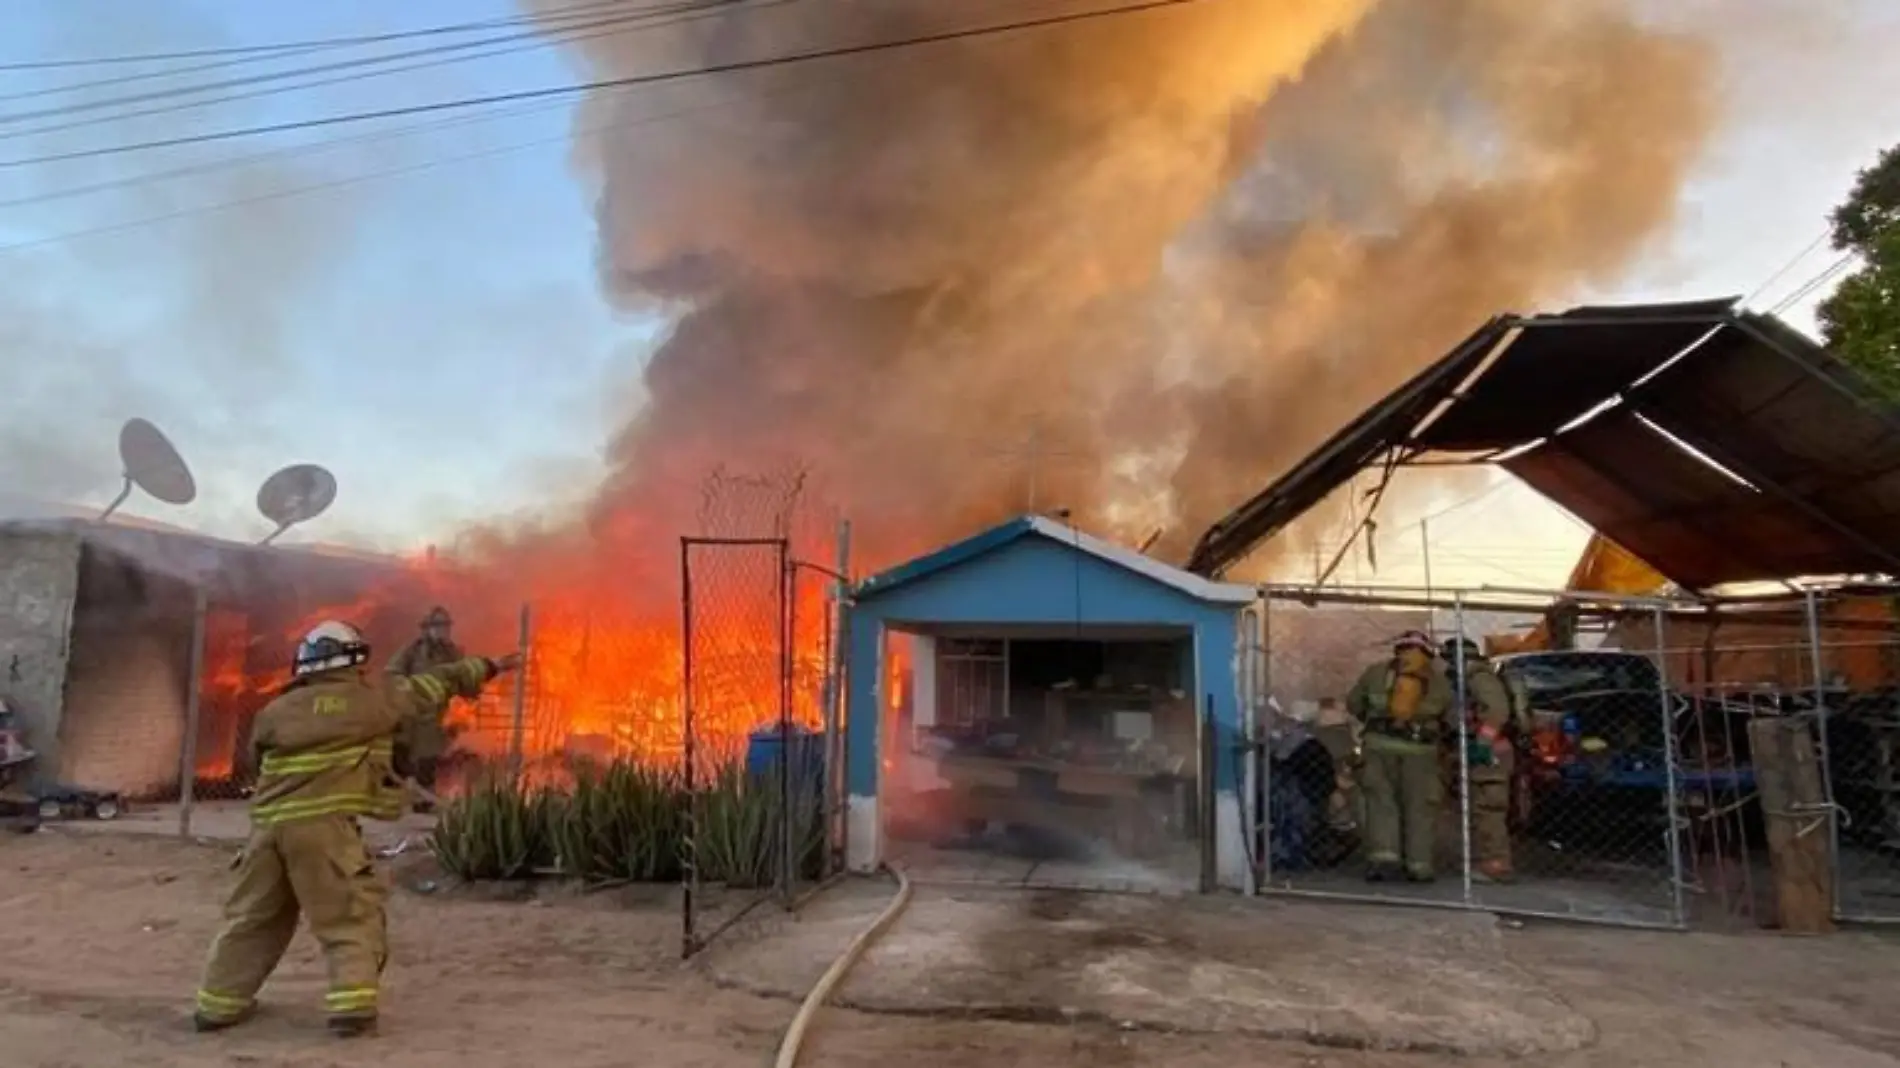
(1603, 410)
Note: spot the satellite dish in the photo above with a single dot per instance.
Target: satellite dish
(153, 465)
(295, 494)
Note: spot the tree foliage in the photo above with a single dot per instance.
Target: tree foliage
(1860, 321)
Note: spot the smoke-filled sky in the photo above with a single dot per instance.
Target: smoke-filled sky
(1174, 249)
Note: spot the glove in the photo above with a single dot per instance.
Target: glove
(1478, 753)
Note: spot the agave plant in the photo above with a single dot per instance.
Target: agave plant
(620, 823)
(628, 822)
(497, 830)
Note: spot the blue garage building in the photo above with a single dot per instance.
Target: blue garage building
(1035, 683)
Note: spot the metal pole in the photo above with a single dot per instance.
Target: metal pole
(1820, 726)
(1667, 697)
(194, 696)
(833, 702)
(1262, 802)
(787, 621)
(689, 866)
(1253, 734)
(1464, 745)
(1431, 614)
(1210, 748)
(516, 748)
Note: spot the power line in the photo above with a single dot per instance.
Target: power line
(1826, 275)
(528, 41)
(246, 55)
(789, 59)
(286, 46)
(1806, 251)
(271, 155)
(340, 183)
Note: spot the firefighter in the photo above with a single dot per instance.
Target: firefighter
(1490, 758)
(322, 751)
(1402, 702)
(423, 740)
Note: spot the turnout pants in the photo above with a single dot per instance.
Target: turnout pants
(1402, 791)
(1491, 812)
(316, 868)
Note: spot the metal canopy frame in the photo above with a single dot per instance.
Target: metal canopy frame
(1742, 394)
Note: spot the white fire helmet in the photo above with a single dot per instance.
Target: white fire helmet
(330, 646)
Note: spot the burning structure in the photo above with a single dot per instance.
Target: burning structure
(98, 642)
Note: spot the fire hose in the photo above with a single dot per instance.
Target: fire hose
(794, 1040)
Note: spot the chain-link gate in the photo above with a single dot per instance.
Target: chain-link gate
(736, 676)
(1396, 763)
(1853, 692)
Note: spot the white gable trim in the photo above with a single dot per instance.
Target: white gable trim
(1120, 555)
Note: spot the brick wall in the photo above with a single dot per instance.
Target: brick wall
(124, 720)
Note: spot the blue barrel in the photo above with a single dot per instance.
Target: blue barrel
(807, 754)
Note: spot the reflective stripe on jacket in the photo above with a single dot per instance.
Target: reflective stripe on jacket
(325, 746)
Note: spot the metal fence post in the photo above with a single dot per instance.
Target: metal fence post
(194, 697)
(1263, 801)
(788, 621)
(833, 793)
(1673, 800)
(689, 864)
(1827, 771)
(517, 749)
(1459, 699)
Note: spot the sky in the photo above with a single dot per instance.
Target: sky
(419, 312)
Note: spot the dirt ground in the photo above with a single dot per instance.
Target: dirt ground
(101, 937)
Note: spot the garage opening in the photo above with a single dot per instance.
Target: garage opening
(1067, 759)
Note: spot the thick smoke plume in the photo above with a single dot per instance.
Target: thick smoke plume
(1151, 259)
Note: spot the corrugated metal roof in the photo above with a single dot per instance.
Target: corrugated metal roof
(1594, 408)
(1040, 526)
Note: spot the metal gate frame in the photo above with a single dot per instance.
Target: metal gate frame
(691, 940)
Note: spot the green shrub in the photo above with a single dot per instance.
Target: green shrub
(498, 830)
(627, 821)
(621, 822)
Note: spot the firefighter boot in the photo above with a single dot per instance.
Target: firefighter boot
(204, 1024)
(352, 1026)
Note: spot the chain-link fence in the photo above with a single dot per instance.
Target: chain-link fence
(1401, 764)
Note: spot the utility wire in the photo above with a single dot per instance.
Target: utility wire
(658, 77)
(526, 41)
(273, 53)
(273, 155)
(321, 42)
(1828, 274)
(1808, 250)
(340, 183)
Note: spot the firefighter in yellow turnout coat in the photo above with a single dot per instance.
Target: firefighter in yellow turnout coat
(323, 751)
(424, 740)
(1402, 702)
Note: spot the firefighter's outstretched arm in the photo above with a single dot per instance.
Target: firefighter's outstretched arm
(428, 693)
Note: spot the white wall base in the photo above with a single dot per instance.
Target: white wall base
(864, 834)
(1231, 869)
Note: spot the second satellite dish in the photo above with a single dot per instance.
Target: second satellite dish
(295, 494)
(153, 465)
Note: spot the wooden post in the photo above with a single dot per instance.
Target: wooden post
(194, 700)
(517, 742)
(1795, 808)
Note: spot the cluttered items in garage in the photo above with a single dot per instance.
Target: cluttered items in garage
(1059, 747)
